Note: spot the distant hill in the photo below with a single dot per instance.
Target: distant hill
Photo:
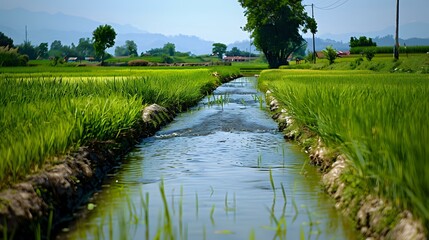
(69, 29)
(406, 31)
(46, 27)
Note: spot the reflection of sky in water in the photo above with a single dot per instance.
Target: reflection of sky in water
(223, 157)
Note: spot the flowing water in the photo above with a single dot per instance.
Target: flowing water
(219, 171)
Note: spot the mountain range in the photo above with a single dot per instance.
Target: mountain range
(45, 27)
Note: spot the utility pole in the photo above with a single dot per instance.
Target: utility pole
(26, 36)
(314, 42)
(396, 51)
(250, 47)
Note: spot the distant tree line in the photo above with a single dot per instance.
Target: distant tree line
(237, 52)
(84, 48)
(362, 42)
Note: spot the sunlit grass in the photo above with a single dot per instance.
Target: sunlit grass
(47, 114)
(379, 121)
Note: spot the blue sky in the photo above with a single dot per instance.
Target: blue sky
(220, 20)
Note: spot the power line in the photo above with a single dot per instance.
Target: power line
(333, 6)
(330, 5)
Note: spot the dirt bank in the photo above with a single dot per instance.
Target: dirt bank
(374, 217)
(67, 182)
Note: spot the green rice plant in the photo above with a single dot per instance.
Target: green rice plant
(167, 228)
(46, 112)
(272, 184)
(378, 120)
(252, 234)
(212, 213)
(259, 161)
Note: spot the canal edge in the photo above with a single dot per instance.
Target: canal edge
(374, 217)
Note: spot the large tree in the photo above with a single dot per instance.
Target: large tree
(42, 51)
(170, 49)
(104, 37)
(219, 49)
(275, 26)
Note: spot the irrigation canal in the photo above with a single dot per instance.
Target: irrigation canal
(218, 171)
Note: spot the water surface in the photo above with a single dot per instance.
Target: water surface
(219, 171)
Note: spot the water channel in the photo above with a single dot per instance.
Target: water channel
(218, 171)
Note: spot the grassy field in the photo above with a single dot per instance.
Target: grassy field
(379, 120)
(47, 111)
(413, 63)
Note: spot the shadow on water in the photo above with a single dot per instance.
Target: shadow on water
(219, 171)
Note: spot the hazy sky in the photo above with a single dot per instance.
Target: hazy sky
(220, 20)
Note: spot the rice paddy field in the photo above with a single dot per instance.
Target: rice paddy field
(48, 111)
(378, 120)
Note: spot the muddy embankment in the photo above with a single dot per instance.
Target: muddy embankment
(373, 216)
(45, 202)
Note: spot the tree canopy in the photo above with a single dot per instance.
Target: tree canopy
(219, 49)
(362, 42)
(103, 37)
(5, 40)
(129, 49)
(275, 26)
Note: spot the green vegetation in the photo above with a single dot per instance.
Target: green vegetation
(11, 57)
(266, 17)
(46, 111)
(378, 120)
(103, 37)
(219, 49)
(362, 42)
(411, 63)
(330, 54)
(402, 49)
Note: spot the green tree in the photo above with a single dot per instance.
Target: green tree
(275, 26)
(103, 37)
(234, 52)
(121, 51)
(219, 49)
(27, 49)
(362, 41)
(330, 54)
(42, 51)
(56, 49)
(5, 40)
(131, 47)
(155, 52)
(85, 48)
(169, 49)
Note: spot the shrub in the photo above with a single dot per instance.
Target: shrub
(10, 57)
(330, 54)
(369, 54)
(167, 59)
(138, 62)
(356, 63)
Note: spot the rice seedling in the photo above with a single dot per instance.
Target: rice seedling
(252, 234)
(378, 120)
(259, 161)
(212, 213)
